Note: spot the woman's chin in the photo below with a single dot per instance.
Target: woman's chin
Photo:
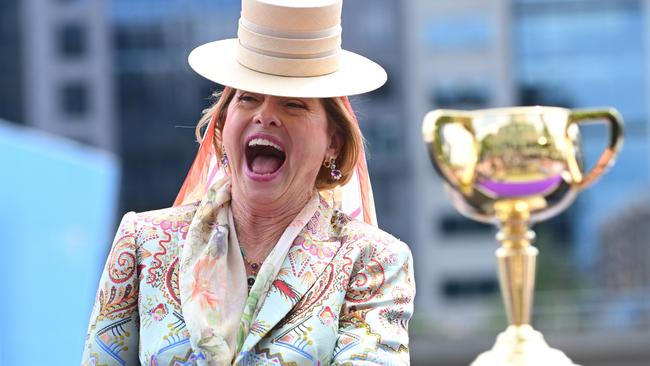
(271, 188)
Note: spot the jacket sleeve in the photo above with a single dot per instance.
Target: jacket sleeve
(373, 324)
(113, 332)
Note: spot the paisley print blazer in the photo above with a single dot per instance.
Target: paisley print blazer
(344, 295)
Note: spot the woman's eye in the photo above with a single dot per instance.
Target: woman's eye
(246, 98)
(296, 105)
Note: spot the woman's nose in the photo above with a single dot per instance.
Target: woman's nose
(267, 115)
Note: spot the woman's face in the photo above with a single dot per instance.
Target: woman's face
(276, 146)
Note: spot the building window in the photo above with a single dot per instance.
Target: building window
(385, 137)
(471, 287)
(74, 99)
(541, 94)
(458, 225)
(139, 37)
(72, 40)
(461, 96)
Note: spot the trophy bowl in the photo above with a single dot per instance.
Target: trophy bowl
(513, 167)
(491, 155)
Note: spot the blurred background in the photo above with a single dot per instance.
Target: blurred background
(97, 115)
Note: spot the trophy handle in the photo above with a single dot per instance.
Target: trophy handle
(432, 128)
(608, 157)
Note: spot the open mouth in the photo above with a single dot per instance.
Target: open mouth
(263, 156)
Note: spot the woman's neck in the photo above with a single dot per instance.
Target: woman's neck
(259, 227)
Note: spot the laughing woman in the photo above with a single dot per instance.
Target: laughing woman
(262, 259)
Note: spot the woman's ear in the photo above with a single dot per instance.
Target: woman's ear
(335, 144)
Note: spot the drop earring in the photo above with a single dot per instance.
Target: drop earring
(224, 157)
(334, 172)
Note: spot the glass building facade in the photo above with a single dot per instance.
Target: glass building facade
(581, 54)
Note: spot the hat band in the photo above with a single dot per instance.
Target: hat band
(283, 66)
(271, 45)
(273, 32)
(289, 55)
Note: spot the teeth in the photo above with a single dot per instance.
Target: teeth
(263, 142)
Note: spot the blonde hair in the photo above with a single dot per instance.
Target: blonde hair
(338, 117)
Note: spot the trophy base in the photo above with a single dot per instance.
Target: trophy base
(522, 346)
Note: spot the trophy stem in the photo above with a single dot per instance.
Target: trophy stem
(517, 260)
(519, 344)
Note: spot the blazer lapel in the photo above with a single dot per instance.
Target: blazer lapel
(309, 255)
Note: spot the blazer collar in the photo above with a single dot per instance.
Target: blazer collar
(309, 255)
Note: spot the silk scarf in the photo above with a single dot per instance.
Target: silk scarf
(217, 307)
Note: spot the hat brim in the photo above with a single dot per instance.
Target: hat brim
(216, 61)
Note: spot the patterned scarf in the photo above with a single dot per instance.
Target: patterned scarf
(217, 307)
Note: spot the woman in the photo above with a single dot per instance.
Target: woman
(257, 263)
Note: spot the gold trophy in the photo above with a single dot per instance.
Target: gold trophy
(513, 167)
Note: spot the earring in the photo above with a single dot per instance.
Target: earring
(224, 157)
(334, 172)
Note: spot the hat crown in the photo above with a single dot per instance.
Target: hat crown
(293, 15)
(300, 38)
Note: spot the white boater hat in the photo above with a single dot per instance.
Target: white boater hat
(288, 48)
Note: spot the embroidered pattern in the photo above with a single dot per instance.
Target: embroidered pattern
(344, 292)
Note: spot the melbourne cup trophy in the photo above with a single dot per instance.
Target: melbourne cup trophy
(513, 167)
